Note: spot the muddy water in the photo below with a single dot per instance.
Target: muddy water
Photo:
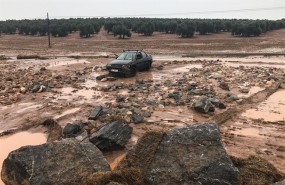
(68, 112)
(15, 141)
(115, 157)
(66, 62)
(272, 109)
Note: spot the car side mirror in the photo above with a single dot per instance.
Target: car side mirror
(139, 56)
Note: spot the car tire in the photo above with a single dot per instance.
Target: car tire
(133, 71)
(148, 66)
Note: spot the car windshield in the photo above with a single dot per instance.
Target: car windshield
(127, 56)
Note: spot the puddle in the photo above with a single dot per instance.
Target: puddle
(115, 157)
(58, 63)
(71, 111)
(272, 109)
(185, 68)
(92, 82)
(69, 93)
(15, 141)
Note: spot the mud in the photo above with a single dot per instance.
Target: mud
(17, 140)
(73, 91)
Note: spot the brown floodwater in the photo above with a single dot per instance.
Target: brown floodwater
(115, 157)
(65, 62)
(272, 109)
(12, 142)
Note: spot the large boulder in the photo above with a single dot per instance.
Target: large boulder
(189, 156)
(112, 136)
(192, 155)
(67, 162)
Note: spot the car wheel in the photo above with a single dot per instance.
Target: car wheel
(148, 66)
(133, 70)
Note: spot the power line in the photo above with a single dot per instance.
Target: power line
(184, 13)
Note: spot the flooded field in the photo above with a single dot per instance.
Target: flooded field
(165, 96)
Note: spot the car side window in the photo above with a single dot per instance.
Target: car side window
(143, 54)
(139, 55)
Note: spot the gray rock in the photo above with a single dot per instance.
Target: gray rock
(71, 129)
(217, 103)
(282, 85)
(224, 86)
(64, 162)
(279, 183)
(95, 113)
(120, 98)
(137, 118)
(192, 155)
(203, 105)
(244, 90)
(112, 136)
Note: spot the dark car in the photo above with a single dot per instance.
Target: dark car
(129, 62)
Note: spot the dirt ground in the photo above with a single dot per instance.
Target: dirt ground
(73, 91)
(159, 43)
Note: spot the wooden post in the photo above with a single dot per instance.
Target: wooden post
(48, 23)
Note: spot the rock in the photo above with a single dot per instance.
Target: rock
(54, 130)
(272, 78)
(279, 183)
(160, 67)
(120, 98)
(104, 80)
(71, 129)
(269, 83)
(95, 113)
(244, 90)
(137, 118)
(112, 136)
(203, 105)
(217, 103)
(216, 76)
(42, 69)
(282, 85)
(23, 90)
(110, 78)
(231, 97)
(255, 170)
(224, 86)
(100, 77)
(191, 155)
(64, 162)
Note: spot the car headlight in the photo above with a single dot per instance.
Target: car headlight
(108, 65)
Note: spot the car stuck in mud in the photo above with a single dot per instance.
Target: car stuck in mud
(129, 62)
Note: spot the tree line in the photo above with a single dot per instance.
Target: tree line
(123, 27)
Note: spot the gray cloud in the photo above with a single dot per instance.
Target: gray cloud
(21, 9)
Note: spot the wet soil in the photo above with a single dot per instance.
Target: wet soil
(159, 43)
(253, 125)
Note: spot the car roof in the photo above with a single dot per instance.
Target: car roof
(133, 50)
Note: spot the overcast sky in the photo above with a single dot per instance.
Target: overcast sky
(31, 9)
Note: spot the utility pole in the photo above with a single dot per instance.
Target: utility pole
(48, 23)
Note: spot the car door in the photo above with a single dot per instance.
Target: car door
(139, 61)
(145, 61)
